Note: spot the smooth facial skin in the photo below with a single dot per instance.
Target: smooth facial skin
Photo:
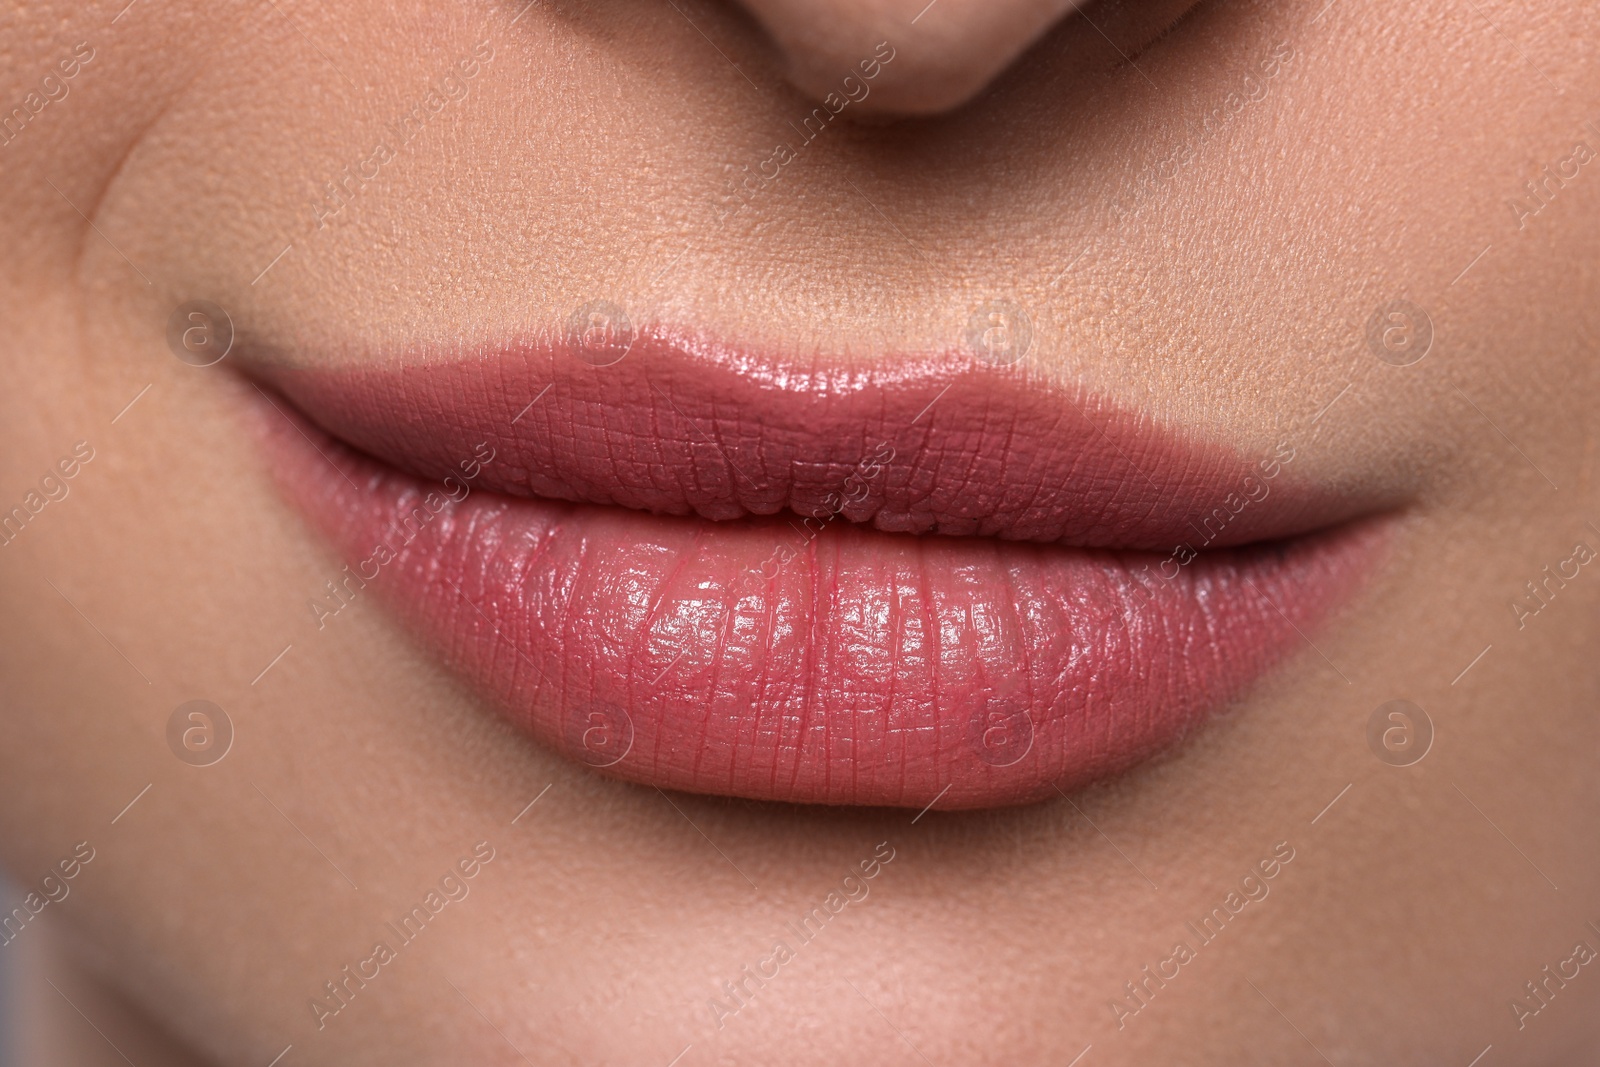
(1209, 211)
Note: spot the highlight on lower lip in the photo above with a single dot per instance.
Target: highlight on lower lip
(869, 669)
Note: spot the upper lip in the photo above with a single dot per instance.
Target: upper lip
(685, 427)
(836, 665)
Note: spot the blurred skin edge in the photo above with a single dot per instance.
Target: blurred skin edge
(49, 998)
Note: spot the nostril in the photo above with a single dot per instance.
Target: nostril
(906, 57)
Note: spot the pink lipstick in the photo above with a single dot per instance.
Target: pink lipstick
(943, 581)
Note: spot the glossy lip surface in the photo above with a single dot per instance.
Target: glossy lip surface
(666, 568)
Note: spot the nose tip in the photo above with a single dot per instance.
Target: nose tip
(904, 57)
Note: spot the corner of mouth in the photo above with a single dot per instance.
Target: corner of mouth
(875, 591)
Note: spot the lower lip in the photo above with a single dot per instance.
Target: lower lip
(760, 659)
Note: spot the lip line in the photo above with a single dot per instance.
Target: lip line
(1178, 555)
(1079, 482)
(639, 616)
(849, 667)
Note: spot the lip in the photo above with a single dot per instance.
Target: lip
(943, 583)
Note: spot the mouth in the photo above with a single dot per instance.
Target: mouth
(948, 582)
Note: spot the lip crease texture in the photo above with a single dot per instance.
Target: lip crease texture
(801, 646)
